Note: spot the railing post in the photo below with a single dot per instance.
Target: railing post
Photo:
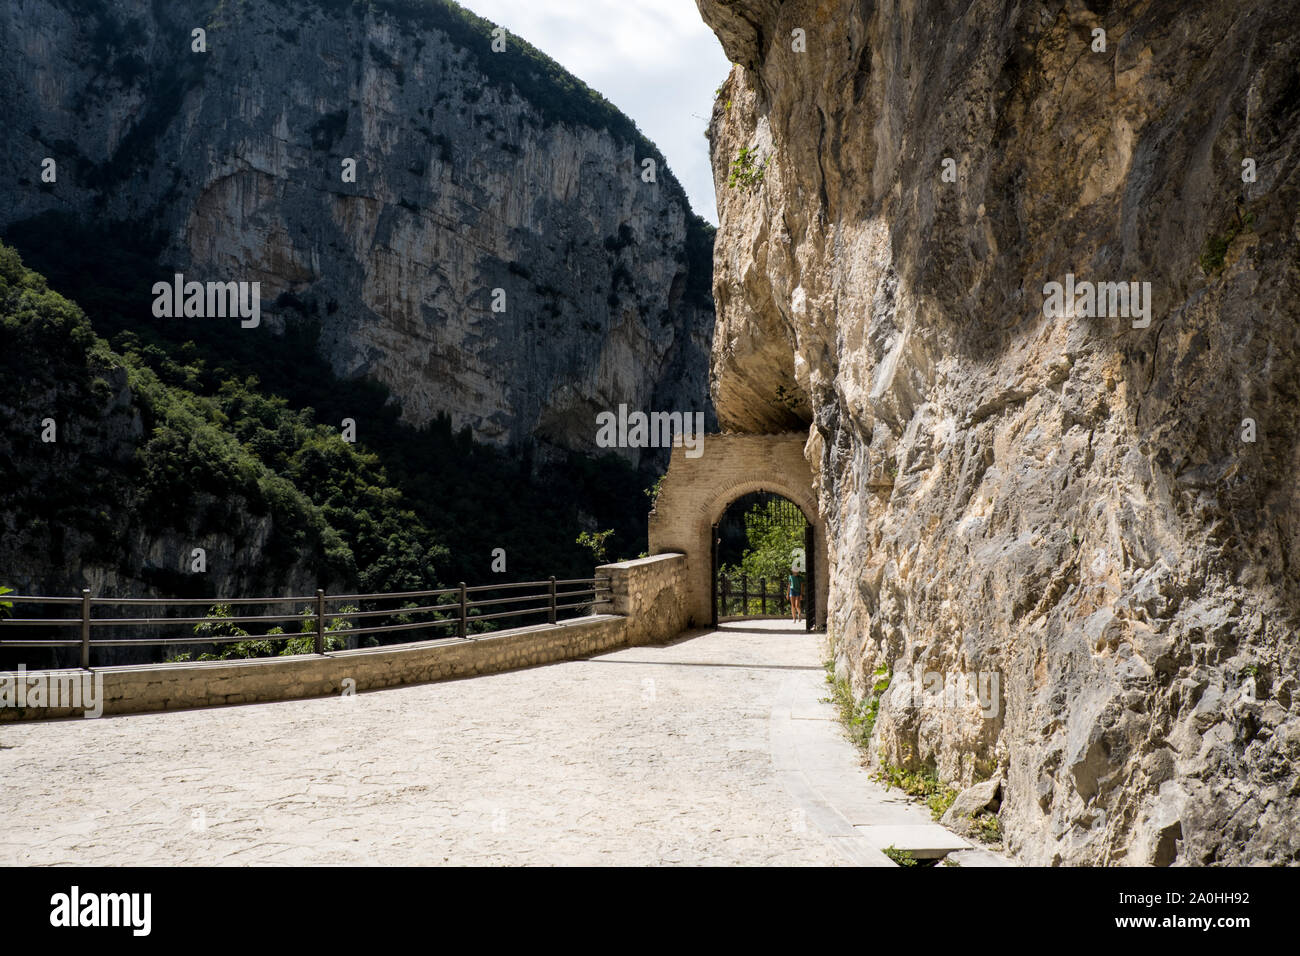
(722, 597)
(464, 609)
(744, 595)
(320, 621)
(552, 614)
(762, 590)
(85, 628)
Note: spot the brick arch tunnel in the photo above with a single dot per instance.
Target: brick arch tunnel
(696, 491)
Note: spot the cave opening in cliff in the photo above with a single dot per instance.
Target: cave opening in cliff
(763, 558)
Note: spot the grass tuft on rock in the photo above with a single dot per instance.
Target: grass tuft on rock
(857, 716)
(923, 784)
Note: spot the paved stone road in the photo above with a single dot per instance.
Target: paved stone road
(684, 754)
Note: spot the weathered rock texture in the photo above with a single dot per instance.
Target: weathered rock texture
(1068, 502)
(464, 184)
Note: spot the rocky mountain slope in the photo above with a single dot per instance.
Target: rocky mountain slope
(138, 469)
(1074, 503)
(474, 455)
(475, 171)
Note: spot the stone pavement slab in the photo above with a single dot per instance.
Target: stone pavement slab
(925, 841)
(715, 749)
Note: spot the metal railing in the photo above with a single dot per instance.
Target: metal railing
(460, 608)
(746, 602)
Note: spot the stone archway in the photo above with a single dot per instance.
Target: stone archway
(696, 491)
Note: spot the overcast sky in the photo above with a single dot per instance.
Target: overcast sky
(655, 60)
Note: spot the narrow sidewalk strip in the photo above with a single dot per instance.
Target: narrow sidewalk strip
(823, 773)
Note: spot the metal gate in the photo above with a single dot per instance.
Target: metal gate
(764, 594)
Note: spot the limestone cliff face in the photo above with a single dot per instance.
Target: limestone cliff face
(1068, 502)
(473, 174)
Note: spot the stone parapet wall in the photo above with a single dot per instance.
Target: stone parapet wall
(139, 689)
(648, 600)
(652, 594)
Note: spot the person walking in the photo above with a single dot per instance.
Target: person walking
(796, 594)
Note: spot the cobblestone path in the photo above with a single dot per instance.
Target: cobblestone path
(649, 755)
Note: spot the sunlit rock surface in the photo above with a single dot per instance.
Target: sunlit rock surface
(1066, 502)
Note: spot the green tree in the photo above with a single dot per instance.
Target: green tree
(596, 541)
(773, 531)
(217, 624)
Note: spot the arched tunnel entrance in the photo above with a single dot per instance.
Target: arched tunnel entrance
(762, 546)
(696, 493)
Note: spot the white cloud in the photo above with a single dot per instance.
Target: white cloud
(657, 62)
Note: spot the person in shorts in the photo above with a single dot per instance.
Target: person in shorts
(795, 589)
